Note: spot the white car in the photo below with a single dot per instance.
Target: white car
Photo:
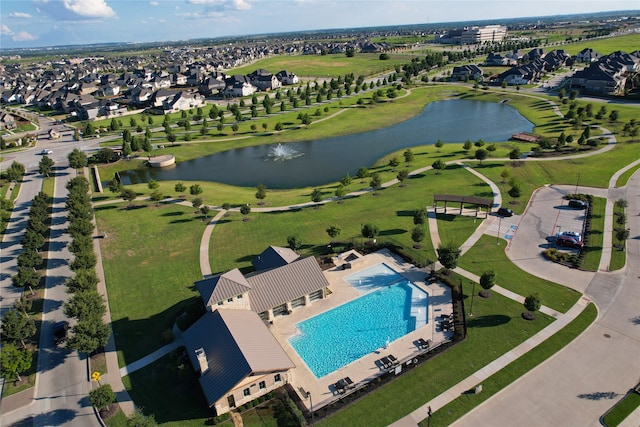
(45, 152)
(571, 234)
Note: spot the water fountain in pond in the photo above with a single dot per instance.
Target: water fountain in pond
(280, 153)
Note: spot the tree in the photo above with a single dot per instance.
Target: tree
(362, 173)
(439, 145)
(408, 155)
(467, 146)
(402, 176)
(45, 165)
(14, 361)
(156, 196)
(532, 303)
(613, 116)
(622, 234)
(196, 203)
(417, 235)
(77, 159)
(375, 182)
(394, 162)
(448, 255)
(17, 327)
(341, 191)
(180, 188)
(261, 193)
(195, 189)
(129, 195)
(515, 191)
(102, 396)
(316, 195)
(487, 280)
(370, 231)
(204, 210)
(84, 305)
(346, 180)
(88, 335)
(439, 166)
(515, 154)
(419, 216)
(153, 184)
(504, 175)
(333, 231)
(83, 280)
(15, 171)
(245, 210)
(621, 204)
(481, 154)
(23, 304)
(294, 242)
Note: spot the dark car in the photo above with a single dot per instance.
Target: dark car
(568, 242)
(60, 332)
(577, 204)
(505, 212)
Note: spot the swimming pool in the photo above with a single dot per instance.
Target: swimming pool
(348, 332)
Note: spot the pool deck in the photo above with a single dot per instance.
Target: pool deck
(364, 369)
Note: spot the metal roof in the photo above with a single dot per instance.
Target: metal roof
(236, 344)
(219, 288)
(273, 257)
(280, 285)
(481, 201)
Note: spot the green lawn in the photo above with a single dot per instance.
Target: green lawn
(456, 228)
(627, 43)
(622, 410)
(486, 255)
(150, 259)
(496, 328)
(235, 242)
(452, 411)
(593, 251)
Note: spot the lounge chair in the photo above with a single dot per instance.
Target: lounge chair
(386, 362)
(393, 359)
(348, 382)
(422, 343)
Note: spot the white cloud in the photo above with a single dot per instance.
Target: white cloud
(223, 4)
(241, 5)
(90, 8)
(19, 15)
(23, 36)
(154, 3)
(16, 37)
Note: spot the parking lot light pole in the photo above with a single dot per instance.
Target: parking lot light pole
(311, 403)
(578, 183)
(498, 234)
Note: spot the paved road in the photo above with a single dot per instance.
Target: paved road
(62, 385)
(581, 382)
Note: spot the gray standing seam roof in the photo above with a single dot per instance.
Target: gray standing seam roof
(273, 257)
(280, 285)
(219, 288)
(237, 344)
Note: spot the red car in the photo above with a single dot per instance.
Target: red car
(569, 242)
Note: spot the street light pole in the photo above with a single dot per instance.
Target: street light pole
(578, 183)
(499, 226)
(473, 291)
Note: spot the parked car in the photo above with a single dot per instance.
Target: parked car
(60, 332)
(569, 242)
(571, 234)
(505, 212)
(45, 152)
(577, 204)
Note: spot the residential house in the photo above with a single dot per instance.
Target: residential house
(238, 85)
(238, 359)
(7, 121)
(587, 55)
(466, 72)
(264, 80)
(608, 75)
(287, 77)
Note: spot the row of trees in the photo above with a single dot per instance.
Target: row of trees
(86, 305)
(17, 325)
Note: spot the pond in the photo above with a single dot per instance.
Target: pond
(317, 162)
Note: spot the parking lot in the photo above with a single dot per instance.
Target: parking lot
(547, 214)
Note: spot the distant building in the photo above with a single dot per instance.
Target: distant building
(474, 35)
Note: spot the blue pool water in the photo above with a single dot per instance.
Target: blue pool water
(373, 278)
(348, 332)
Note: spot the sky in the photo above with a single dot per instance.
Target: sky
(39, 23)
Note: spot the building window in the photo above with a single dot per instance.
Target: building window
(262, 385)
(220, 303)
(230, 300)
(239, 296)
(277, 378)
(246, 392)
